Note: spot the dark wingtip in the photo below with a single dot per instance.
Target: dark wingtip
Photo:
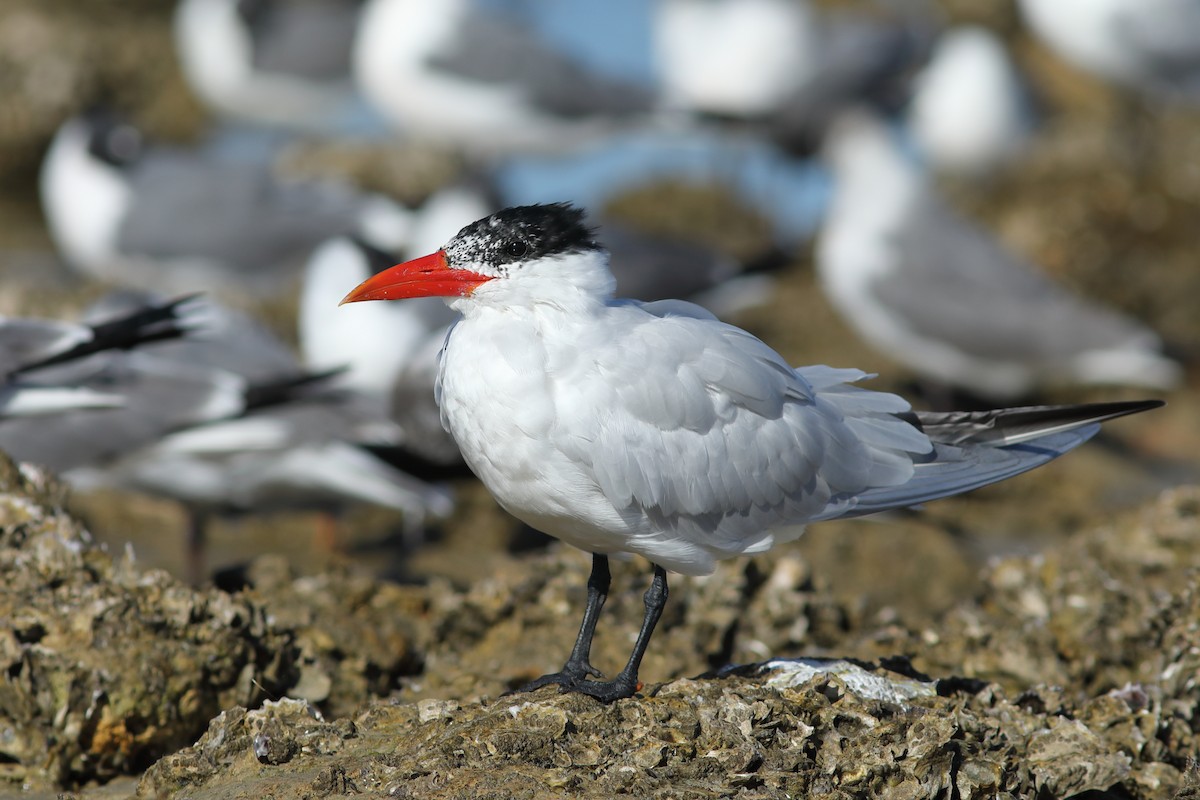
(1121, 408)
(1004, 426)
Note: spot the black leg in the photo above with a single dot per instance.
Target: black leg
(197, 546)
(578, 666)
(626, 682)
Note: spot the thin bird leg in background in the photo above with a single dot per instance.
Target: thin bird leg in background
(326, 538)
(626, 682)
(578, 665)
(197, 546)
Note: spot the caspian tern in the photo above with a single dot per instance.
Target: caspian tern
(654, 429)
(939, 294)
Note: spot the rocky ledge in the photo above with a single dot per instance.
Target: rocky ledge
(1070, 672)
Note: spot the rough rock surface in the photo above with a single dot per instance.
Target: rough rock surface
(106, 667)
(1070, 672)
(1079, 673)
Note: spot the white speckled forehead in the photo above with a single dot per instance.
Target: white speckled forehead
(494, 244)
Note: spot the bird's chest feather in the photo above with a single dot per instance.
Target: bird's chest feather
(496, 400)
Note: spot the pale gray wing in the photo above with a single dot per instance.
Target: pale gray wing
(708, 432)
(159, 396)
(309, 39)
(951, 470)
(331, 473)
(1168, 42)
(189, 206)
(861, 60)
(232, 340)
(29, 345)
(136, 325)
(291, 455)
(489, 48)
(219, 337)
(28, 341)
(955, 283)
(974, 449)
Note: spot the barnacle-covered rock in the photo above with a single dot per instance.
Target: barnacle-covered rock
(1118, 715)
(106, 667)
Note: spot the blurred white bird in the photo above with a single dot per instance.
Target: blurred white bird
(654, 429)
(472, 74)
(180, 221)
(941, 296)
(1149, 45)
(784, 65)
(272, 62)
(971, 111)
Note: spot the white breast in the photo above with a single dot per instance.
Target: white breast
(496, 391)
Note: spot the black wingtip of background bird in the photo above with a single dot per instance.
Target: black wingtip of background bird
(282, 390)
(151, 323)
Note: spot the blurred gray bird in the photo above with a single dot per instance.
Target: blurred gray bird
(785, 66)
(941, 296)
(467, 73)
(225, 420)
(50, 366)
(150, 396)
(176, 221)
(1149, 45)
(274, 62)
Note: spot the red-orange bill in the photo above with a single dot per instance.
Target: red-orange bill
(427, 276)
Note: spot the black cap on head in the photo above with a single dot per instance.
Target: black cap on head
(111, 138)
(523, 233)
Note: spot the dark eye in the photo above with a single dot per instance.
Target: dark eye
(516, 248)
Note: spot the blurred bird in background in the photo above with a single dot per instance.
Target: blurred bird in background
(50, 367)
(270, 62)
(224, 420)
(1152, 46)
(941, 296)
(783, 66)
(478, 74)
(971, 111)
(125, 211)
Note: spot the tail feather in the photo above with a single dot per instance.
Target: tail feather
(1008, 426)
(974, 449)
